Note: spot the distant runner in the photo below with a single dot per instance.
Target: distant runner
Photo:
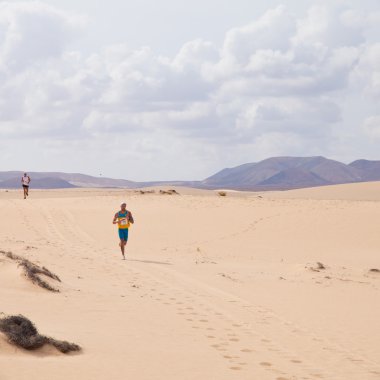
(25, 181)
(124, 219)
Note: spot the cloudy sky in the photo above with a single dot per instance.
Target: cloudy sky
(164, 89)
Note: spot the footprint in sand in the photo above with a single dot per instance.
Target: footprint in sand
(247, 350)
(236, 368)
(266, 364)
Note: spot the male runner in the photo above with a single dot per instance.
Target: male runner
(25, 181)
(124, 219)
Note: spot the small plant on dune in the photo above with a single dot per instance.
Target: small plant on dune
(318, 267)
(169, 192)
(21, 332)
(145, 191)
(222, 193)
(32, 271)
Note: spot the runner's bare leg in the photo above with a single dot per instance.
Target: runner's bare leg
(122, 247)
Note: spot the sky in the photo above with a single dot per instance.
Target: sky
(170, 90)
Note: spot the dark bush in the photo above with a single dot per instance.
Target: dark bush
(32, 271)
(21, 332)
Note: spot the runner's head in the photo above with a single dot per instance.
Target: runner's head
(25, 174)
(123, 206)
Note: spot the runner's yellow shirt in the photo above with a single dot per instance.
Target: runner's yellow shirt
(122, 220)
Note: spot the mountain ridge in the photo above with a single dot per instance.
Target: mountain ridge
(274, 173)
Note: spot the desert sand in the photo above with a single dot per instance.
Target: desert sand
(213, 287)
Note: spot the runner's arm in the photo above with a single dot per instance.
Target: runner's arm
(115, 219)
(130, 217)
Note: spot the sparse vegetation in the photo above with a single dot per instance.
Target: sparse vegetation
(169, 192)
(32, 271)
(318, 267)
(145, 191)
(21, 332)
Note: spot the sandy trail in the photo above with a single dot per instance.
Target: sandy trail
(212, 288)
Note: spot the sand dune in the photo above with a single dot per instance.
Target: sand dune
(213, 287)
(367, 191)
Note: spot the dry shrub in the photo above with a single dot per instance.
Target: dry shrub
(21, 332)
(222, 193)
(32, 271)
(169, 192)
(319, 266)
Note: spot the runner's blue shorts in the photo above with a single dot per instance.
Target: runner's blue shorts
(123, 234)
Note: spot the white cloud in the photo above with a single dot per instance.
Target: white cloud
(275, 86)
(34, 32)
(371, 126)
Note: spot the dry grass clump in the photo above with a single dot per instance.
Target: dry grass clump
(145, 191)
(222, 193)
(169, 192)
(32, 271)
(21, 332)
(317, 268)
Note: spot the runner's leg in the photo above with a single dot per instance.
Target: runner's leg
(122, 245)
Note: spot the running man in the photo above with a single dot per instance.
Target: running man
(25, 181)
(124, 219)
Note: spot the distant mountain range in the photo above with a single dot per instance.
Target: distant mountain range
(281, 173)
(57, 180)
(277, 173)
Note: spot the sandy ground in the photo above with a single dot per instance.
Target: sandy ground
(213, 287)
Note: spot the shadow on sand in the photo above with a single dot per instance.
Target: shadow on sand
(150, 262)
